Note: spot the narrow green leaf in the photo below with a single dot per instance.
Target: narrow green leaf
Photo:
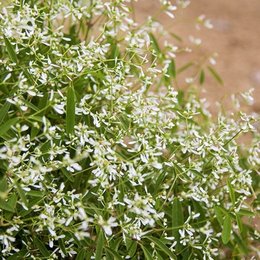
(177, 37)
(28, 75)
(202, 77)
(172, 69)
(131, 246)
(161, 246)
(185, 67)
(42, 248)
(21, 194)
(10, 204)
(68, 175)
(30, 105)
(36, 193)
(240, 224)
(12, 200)
(215, 75)
(199, 209)
(246, 212)
(99, 245)
(177, 220)
(81, 255)
(227, 227)
(147, 254)
(231, 193)
(114, 253)
(219, 215)
(4, 110)
(34, 132)
(115, 243)
(5, 206)
(159, 257)
(223, 210)
(177, 214)
(10, 50)
(19, 255)
(43, 103)
(7, 125)
(3, 185)
(158, 183)
(36, 118)
(155, 44)
(115, 51)
(241, 244)
(62, 246)
(70, 110)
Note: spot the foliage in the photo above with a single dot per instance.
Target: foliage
(101, 156)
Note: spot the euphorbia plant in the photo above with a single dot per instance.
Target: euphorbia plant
(102, 157)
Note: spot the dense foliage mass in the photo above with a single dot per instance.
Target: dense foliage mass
(101, 155)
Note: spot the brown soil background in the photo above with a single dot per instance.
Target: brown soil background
(235, 37)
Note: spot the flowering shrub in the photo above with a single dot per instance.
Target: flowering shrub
(101, 156)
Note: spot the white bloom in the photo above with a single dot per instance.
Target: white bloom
(107, 225)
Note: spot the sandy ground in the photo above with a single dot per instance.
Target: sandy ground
(235, 37)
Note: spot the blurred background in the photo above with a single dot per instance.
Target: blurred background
(235, 37)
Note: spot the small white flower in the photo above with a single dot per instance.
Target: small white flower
(107, 225)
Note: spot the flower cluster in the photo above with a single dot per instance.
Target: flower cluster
(101, 155)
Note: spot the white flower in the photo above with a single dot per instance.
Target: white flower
(107, 225)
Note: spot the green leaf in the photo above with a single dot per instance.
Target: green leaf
(227, 227)
(185, 67)
(246, 212)
(158, 183)
(12, 200)
(30, 105)
(19, 255)
(36, 118)
(131, 247)
(199, 209)
(70, 110)
(241, 244)
(68, 175)
(159, 257)
(99, 245)
(7, 125)
(147, 254)
(62, 246)
(177, 37)
(219, 215)
(172, 69)
(240, 224)
(115, 243)
(4, 110)
(81, 255)
(10, 50)
(155, 44)
(35, 193)
(177, 214)
(161, 246)
(115, 51)
(3, 185)
(10, 204)
(29, 77)
(231, 193)
(21, 194)
(177, 220)
(202, 77)
(42, 248)
(114, 253)
(215, 75)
